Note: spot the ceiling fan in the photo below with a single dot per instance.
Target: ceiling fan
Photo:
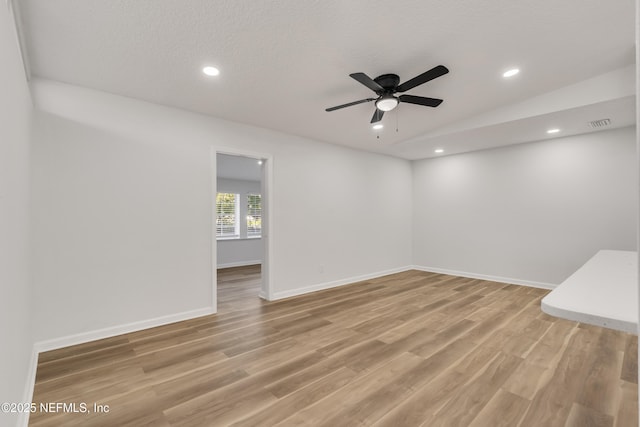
(387, 85)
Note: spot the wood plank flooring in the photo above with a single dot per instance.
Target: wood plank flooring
(409, 349)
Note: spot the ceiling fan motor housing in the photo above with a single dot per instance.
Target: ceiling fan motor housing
(388, 81)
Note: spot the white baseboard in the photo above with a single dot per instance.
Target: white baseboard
(84, 337)
(239, 264)
(53, 344)
(508, 280)
(23, 418)
(335, 283)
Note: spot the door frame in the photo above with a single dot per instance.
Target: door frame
(266, 291)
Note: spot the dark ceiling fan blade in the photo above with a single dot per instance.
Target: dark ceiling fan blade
(367, 81)
(420, 100)
(377, 116)
(433, 73)
(350, 104)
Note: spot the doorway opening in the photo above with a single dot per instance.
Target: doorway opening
(241, 230)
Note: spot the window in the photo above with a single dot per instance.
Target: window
(227, 224)
(254, 215)
(229, 214)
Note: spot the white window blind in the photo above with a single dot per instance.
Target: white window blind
(254, 215)
(227, 213)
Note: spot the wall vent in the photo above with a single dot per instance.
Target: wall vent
(600, 123)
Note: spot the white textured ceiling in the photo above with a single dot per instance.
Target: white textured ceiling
(283, 62)
(238, 167)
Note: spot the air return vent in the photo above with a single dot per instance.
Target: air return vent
(600, 123)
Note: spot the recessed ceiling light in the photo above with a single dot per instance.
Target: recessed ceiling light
(378, 126)
(438, 150)
(556, 130)
(211, 71)
(259, 162)
(510, 73)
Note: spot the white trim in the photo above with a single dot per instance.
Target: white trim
(233, 151)
(508, 280)
(213, 255)
(16, 14)
(112, 331)
(267, 207)
(267, 227)
(334, 284)
(236, 239)
(350, 280)
(239, 264)
(23, 418)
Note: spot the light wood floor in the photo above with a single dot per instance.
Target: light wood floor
(410, 349)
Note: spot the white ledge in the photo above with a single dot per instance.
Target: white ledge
(603, 292)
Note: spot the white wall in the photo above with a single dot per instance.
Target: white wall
(243, 251)
(123, 210)
(15, 309)
(238, 252)
(530, 213)
(118, 230)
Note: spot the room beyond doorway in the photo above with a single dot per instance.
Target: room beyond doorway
(238, 287)
(241, 216)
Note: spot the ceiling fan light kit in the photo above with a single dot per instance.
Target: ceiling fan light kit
(387, 85)
(387, 103)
